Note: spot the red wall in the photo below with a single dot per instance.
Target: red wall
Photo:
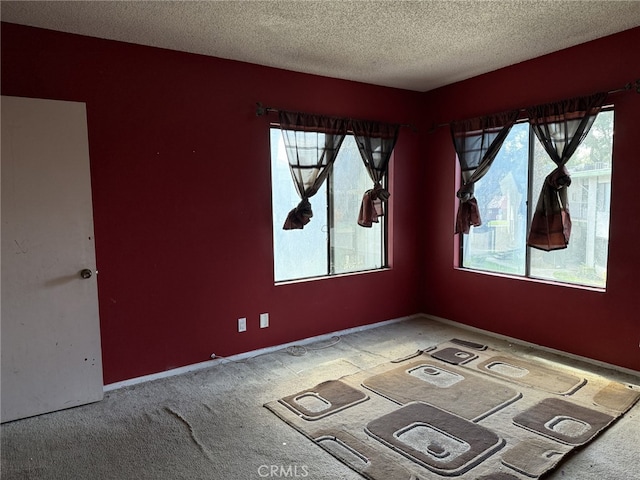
(181, 188)
(180, 177)
(603, 326)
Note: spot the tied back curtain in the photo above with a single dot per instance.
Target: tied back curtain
(477, 142)
(312, 143)
(376, 142)
(560, 127)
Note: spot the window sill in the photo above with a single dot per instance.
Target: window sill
(534, 280)
(328, 277)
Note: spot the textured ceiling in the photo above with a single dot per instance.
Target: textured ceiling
(415, 45)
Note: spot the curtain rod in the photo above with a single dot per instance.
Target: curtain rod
(629, 86)
(262, 110)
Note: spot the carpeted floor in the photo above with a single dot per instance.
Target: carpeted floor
(211, 424)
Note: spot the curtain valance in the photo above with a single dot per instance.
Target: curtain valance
(306, 122)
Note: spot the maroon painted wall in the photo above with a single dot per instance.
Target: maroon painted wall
(599, 325)
(181, 188)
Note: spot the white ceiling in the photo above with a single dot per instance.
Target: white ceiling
(415, 45)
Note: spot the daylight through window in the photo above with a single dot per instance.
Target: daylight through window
(508, 193)
(333, 242)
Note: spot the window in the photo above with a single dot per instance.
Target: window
(333, 242)
(507, 196)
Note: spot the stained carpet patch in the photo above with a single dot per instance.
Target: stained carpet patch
(459, 410)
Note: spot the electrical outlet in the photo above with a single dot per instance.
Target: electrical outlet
(242, 324)
(264, 320)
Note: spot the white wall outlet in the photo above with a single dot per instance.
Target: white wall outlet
(264, 320)
(242, 324)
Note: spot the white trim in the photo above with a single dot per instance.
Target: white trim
(210, 363)
(524, 343)
(241, 356)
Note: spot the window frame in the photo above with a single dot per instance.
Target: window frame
(330, 211)
(530, 206)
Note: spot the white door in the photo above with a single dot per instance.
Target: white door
(51, 356)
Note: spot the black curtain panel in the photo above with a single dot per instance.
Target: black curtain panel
(376, 142)
(312, 143)
(477, 142)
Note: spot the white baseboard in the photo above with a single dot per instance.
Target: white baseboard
(241, 356)
(524, 343)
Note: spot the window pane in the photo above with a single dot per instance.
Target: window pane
(332, 242)
(498, 245)
(584, 261)
(354, 248)
(297, 253)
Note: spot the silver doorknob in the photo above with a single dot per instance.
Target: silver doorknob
(85, 273)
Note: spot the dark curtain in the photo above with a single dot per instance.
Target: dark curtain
(312, 143)
(560, 127)
(375, 142)
(477, 142)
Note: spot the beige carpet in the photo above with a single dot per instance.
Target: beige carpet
(211, 424)
(457, 410)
